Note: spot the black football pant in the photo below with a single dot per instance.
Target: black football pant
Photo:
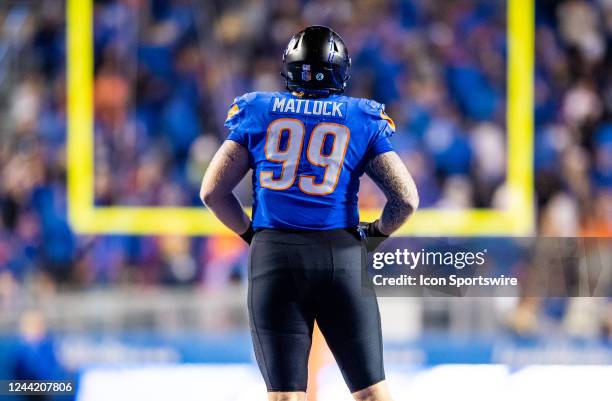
(296, 278)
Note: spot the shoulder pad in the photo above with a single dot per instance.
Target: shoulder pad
(376, 111)
(237, 111)
(247, 111)
(370, 106)
(241, 102)
(247, 97)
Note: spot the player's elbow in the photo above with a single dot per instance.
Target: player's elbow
(410, 196)
(405, 207)
(208, 196)
(406, 203)
(412, 200)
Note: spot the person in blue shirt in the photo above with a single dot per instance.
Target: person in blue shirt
(307, 148)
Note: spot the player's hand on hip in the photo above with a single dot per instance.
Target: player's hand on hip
(371, 235)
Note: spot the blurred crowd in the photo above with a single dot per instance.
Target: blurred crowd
(167, 70)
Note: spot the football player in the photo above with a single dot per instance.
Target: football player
(307, 148)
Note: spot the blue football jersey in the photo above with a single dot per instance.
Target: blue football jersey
(307, 155)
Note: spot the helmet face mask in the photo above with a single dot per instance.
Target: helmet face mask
(316, 61)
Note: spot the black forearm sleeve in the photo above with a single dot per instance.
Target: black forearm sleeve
(247, 236)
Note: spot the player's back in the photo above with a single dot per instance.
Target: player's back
(307, 155)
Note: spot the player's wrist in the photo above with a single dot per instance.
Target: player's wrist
(247, 236)
(377, 228)
(372, 235)
(374, 229)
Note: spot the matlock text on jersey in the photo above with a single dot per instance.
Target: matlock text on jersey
(325, 108)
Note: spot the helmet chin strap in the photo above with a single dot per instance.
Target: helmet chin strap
(311, 94)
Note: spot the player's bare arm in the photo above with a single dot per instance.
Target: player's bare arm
(391, 175)
(227, 168)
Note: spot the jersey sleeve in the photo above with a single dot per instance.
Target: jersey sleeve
(380, 126)
(238, 119)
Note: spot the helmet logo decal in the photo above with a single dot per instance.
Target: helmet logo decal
(306, 75)
(332, 53)
(291, 44)
(319, 76)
